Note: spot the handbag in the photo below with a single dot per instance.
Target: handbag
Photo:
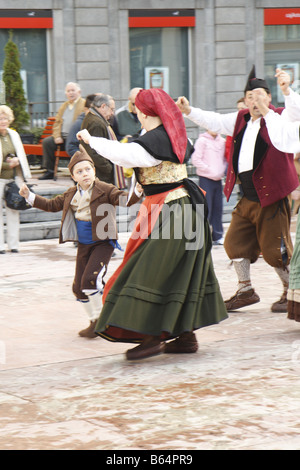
(13, 199)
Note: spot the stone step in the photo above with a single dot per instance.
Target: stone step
(50, 229)
(39, 230)
(38, 225)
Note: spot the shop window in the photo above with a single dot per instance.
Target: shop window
(282, 44)
(32, 47)
(159, 58)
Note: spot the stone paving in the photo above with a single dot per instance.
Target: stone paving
(241, 391)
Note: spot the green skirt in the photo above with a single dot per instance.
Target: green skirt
(168, 286)
(294, 278)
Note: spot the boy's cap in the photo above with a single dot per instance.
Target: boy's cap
(79, 156)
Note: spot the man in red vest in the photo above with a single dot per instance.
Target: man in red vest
(261, 221)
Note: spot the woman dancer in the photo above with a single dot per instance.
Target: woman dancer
(165, 288)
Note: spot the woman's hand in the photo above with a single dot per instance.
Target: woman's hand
(84, 135)
(13, 162)
(139, 188)
(24, 191)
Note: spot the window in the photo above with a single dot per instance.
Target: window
(282, 44)
(159, 58)
(33, 57)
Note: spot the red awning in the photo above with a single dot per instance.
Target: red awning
(161, 18)
(24, 19)
(273, 16)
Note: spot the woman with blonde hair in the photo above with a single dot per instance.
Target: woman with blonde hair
(13, 165)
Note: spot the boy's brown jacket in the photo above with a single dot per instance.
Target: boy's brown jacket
(105, 197)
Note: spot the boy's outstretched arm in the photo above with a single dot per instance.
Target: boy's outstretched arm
(24, 191)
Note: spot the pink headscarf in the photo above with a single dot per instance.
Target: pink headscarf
(156, 102)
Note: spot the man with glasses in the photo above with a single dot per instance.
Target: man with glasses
(97, 122)
(126, 123)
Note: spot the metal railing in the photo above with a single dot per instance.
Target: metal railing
(39, 111)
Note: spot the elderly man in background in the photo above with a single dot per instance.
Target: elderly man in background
(126, 123)
(66, 116)
(97, 123)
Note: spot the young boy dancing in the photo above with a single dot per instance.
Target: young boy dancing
(88, 217)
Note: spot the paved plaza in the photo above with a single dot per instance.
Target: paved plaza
(59, 391)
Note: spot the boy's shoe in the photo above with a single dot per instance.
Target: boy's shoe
(89, 332)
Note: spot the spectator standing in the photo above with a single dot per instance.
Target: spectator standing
(13, 164)
(126, 123)
(210, 162)
(72, 144)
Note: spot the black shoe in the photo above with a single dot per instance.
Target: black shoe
(14, 251)
(49, 175)
(2, 252)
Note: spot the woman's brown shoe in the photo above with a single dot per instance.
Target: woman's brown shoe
(184, 344)
(151, 346)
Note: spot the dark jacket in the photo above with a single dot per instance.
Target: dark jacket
(98, 127)
(72, 143)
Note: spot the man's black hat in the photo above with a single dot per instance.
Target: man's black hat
(254, 82)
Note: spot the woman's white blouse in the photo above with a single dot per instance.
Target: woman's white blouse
(128, 155)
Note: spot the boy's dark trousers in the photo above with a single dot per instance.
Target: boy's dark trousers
(91, 260)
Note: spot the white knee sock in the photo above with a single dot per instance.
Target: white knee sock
(93, 305)
(284, 274)
(242, 268)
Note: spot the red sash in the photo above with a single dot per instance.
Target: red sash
(145, 221)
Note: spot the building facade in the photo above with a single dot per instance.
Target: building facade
(203, 49)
